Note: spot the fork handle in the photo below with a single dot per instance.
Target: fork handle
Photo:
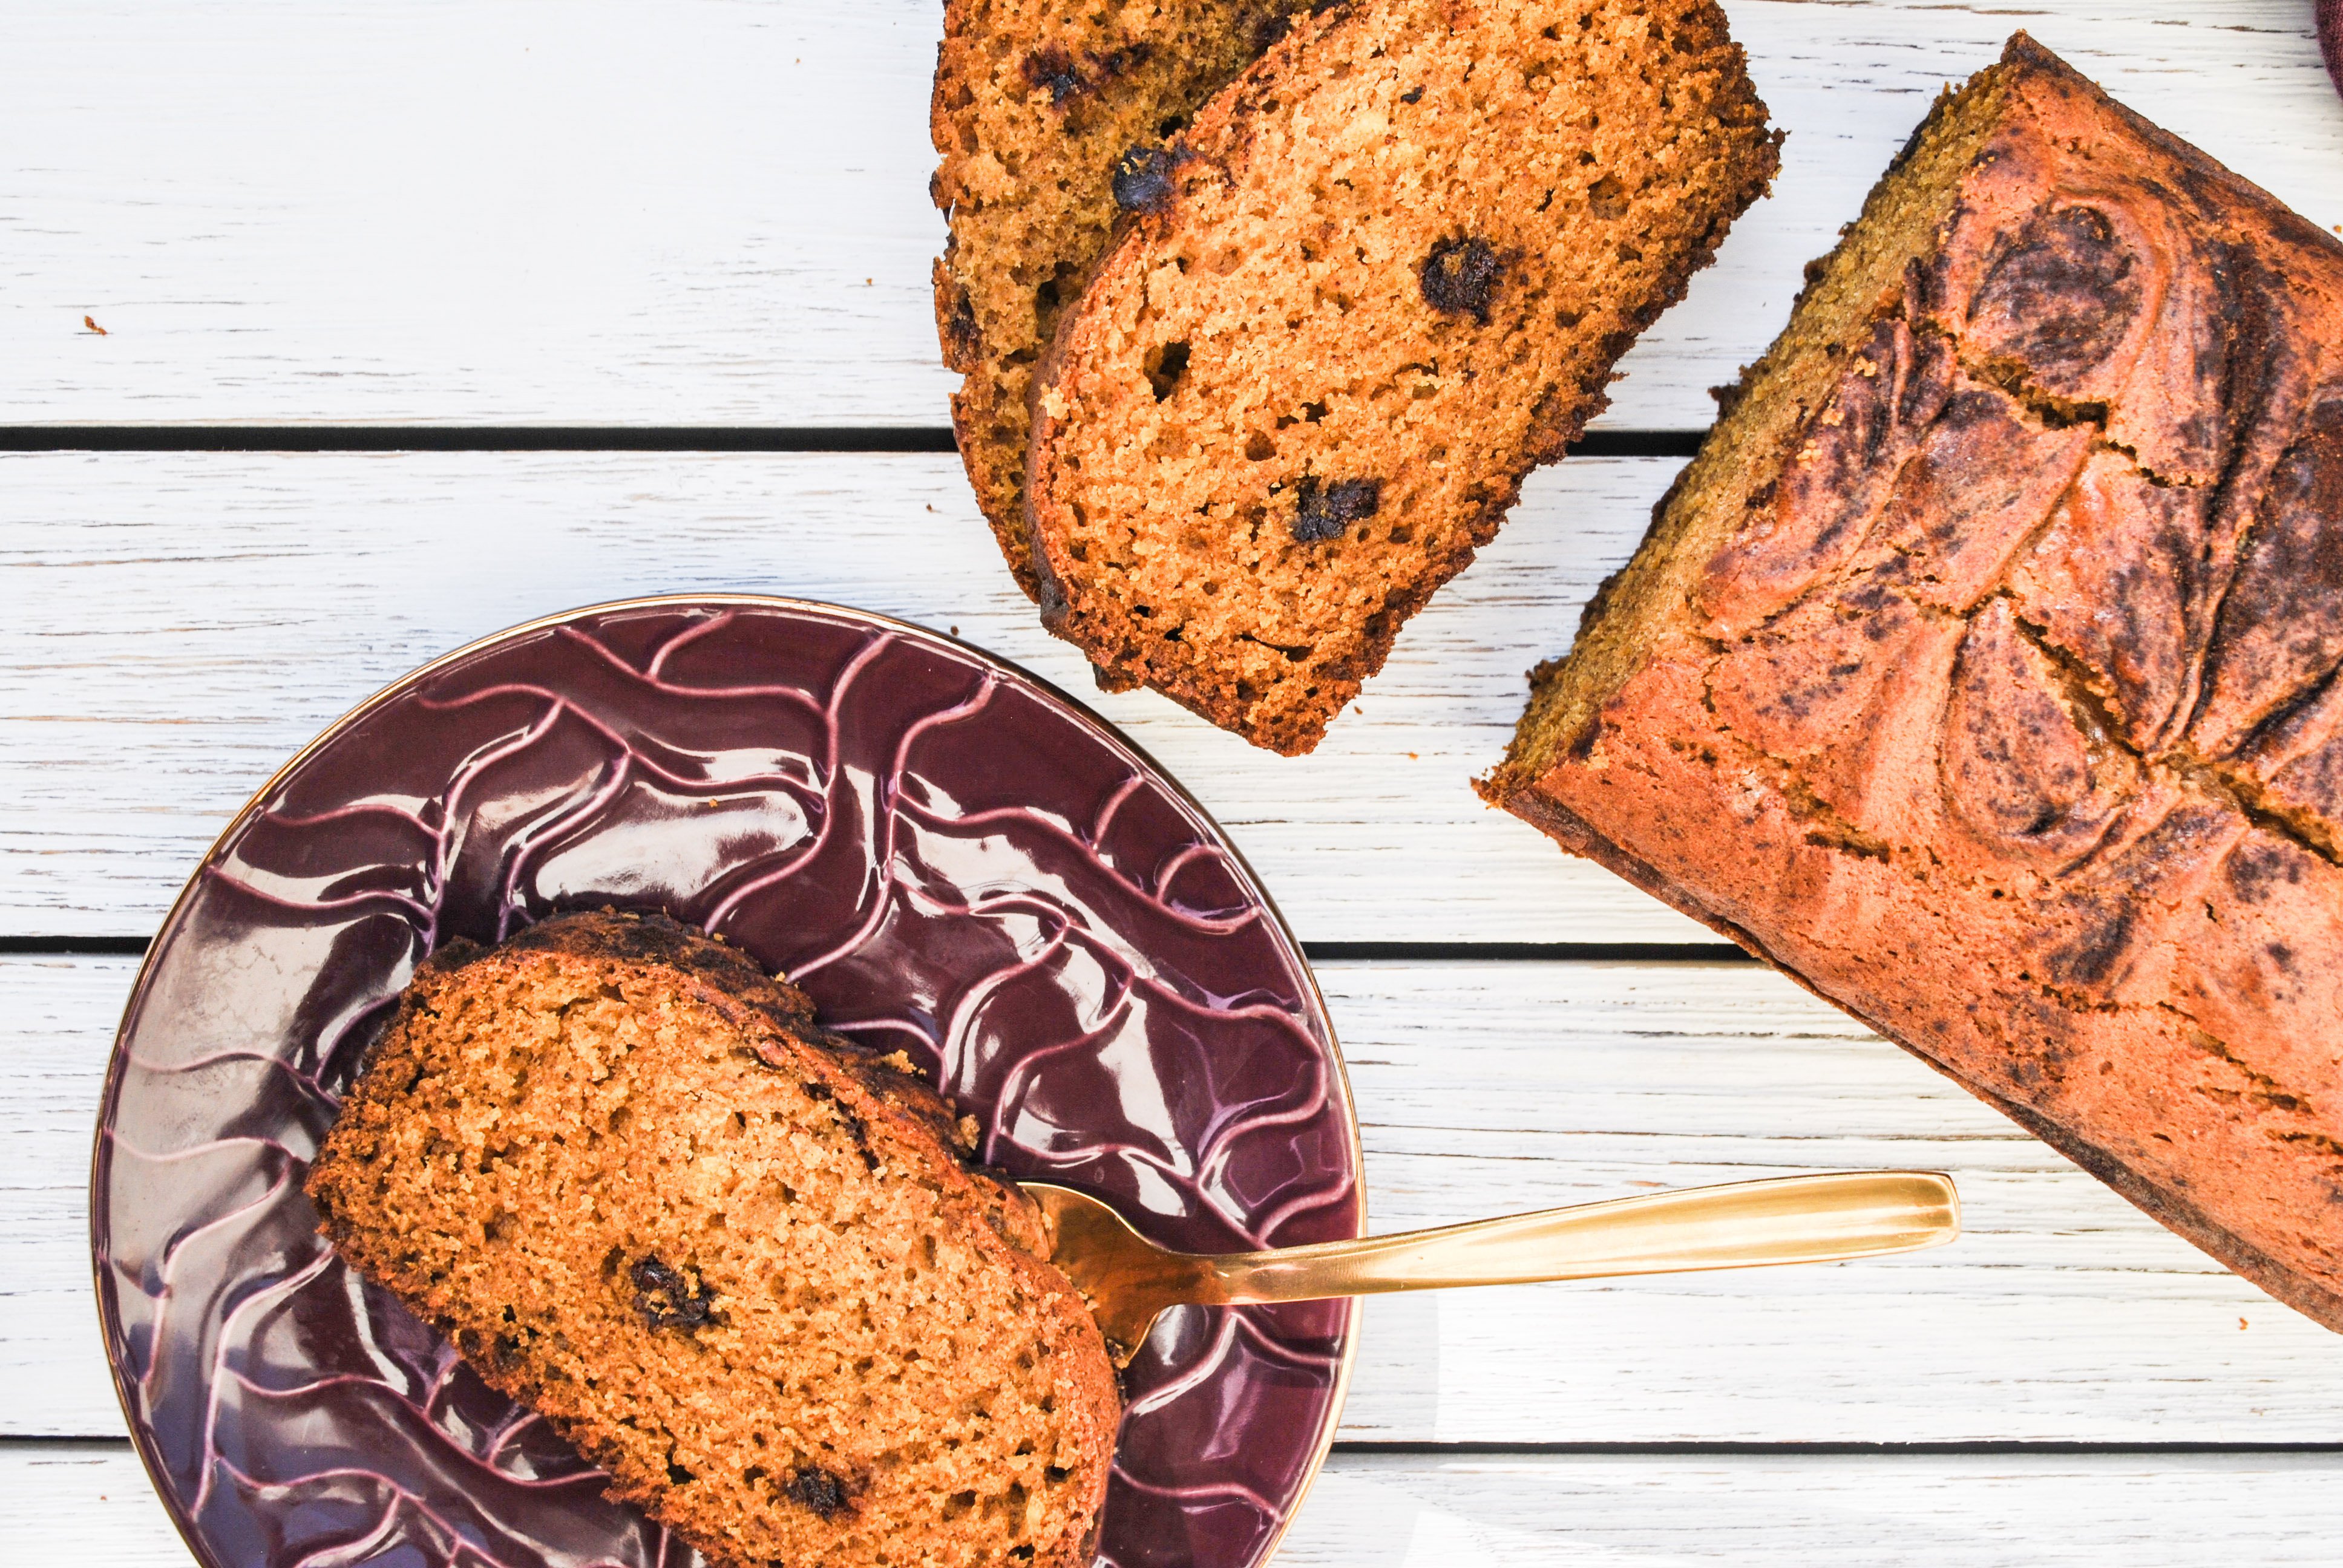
(1747, 1224)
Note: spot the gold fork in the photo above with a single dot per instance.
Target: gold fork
(1129, 1280)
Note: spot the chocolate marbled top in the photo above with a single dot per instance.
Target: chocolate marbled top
(2017, 686)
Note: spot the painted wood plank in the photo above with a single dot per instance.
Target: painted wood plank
(2062, 1314)
(716, 211)
(1490, 1088)
(2020, 1511)
(62, 1502)
(183, 623)
(85, 1504)
(61, 1014)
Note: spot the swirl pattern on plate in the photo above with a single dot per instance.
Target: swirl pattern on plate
(944, 853)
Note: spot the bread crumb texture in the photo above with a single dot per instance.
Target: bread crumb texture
(1981, 670)
(1390, 272)
(1038, 104)
(732, 1258)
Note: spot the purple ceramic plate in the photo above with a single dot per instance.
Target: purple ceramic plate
(944, 851)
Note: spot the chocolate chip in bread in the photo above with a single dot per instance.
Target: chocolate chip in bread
(1392, 272)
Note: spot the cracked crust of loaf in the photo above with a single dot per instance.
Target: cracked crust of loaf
(1980, 672)
(737, 1262)
(1390, 271)
(1035, 102)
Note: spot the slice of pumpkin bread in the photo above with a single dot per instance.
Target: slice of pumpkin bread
(1983, 669)
(1382, 275)
(1036, 104)
(735, 1259)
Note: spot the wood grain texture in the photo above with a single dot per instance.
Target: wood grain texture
(61, 1014)
(60, 1503)
(1822, 1511)
(716, 211)
(182, 623)
(1489, 1088)
(63, 1502)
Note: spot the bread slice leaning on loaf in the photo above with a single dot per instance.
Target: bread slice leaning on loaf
(1036, 104)
(1382, 275)
(739, 1263)
(1981, 671)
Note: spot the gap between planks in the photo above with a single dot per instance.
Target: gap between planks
(22, 1443)
(2063, 1315)
(611, 438)
(1317, 952)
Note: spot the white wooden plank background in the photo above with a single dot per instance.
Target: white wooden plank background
(1377, 1510)
(2062, 1315)
(716, 211)
(1821, 1512)
(181, 623)
(713, 212)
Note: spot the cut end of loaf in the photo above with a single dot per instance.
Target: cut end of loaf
(737, 1263)
(1400, 256)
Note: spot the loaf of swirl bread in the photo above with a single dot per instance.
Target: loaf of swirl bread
(1380, 278)
(739, 1262)
(1981, 671)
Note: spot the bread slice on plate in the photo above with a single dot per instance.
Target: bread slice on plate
(1036, 104)
(1982, 672)
(741, 1263)
(1380, 278)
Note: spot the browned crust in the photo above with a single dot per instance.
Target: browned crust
(2168, 1208)
(989, 407)
(995, 474)
(730, 982)
(1122, 659)
(898, 1114)
(2026, 54)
